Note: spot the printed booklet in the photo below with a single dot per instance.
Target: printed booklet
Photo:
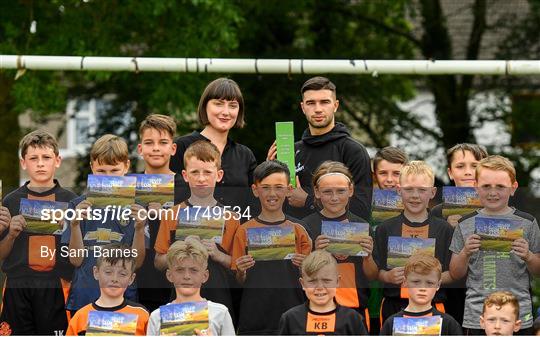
(345, 237)
(386, 204)
(183, 318)
(417, 326)
(154, 188)
(459, 200)
(194, 221)
(497, 234)
(31, 210)
(111, 190)
(271, 242)
(400, 249)
(107, 323)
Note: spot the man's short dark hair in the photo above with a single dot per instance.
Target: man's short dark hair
(318, 83)
(269, 167)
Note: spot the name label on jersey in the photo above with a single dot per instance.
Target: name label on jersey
(321, 324)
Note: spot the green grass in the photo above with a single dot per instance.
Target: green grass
(183, 329)
(102, 202)
(396, 261)
(446, 212)
(344, 248)
(496, 245)
(160, 198)
(97, 332)
(380, 216)
(270, 253)
(203, 233)
(41, 227)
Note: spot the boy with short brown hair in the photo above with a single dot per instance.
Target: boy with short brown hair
(321, 314)
(109, 156)
(488, 269)
(33, 279)
(156, 135)
(423, 278)
(156, 147)
(387, 165)
(114, 272)
(500, 314)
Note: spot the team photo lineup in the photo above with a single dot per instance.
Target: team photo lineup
(318, 239)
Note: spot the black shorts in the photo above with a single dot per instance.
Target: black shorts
(33, 306)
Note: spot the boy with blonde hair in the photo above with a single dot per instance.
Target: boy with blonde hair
(187, 263)
(500, 314)
(488, 269)
(114, 271)
(416, 189)
(33, 279)
(321, 314)
(109, 156)
(423, 278)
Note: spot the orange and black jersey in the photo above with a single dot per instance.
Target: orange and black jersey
(79, 323)
(167, 231)
(25, 258)
(237, 163)
(271, 287)
(353, 290)
(433, 227)
(449, 325)
(301, 320)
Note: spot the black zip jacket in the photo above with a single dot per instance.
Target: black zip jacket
(336, 145)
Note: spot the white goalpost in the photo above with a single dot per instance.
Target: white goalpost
(271, 66)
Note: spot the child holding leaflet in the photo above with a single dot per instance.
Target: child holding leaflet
(266, 281)
(187, 263)
(423, 278)
(333, 187)
(114, 272)
(321, 314)
(487, 267)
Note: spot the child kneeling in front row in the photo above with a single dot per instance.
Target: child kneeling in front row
(500, 314)
(423, 279)
(187, 270)
(114, 271)
(321, 314)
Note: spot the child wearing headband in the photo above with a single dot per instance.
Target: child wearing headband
(333, 187)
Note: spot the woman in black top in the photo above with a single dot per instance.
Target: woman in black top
(221, 108)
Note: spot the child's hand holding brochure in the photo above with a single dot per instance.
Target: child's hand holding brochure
(183, 319)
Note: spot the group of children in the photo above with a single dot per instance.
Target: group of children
(55, 294)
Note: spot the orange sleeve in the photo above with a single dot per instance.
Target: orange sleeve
(231, 226)
(163, 239)
(239, 245)
(303, 241)
(78, 322)
(142, 323)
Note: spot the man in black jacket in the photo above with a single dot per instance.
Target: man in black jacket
(327, 140)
